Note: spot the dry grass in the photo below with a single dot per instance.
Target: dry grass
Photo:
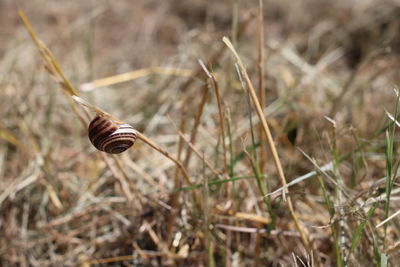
(328, 76)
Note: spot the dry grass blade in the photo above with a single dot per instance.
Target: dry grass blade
(107, 260)
(271, 143)
(215, 56)
(324, 171)
(53, 65)
(326, 167)
(199, 155)
(220, 112)
(55, 70)
(174, 198)
(95, 109)
(196, 124)
(137, 169)
(261, 89)
(397, 213)
(9, 137)
(166, 154)
(120, 78)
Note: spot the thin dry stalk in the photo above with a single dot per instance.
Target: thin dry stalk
(128, 76)
(108, 260)
(235, 19)
(137, 169)
(349, 82)
(166, 154)
(270, 140)
(177, 181)
(95, 109)
(261, 90)
(197, 118)
(197, 73)
(174, 198)
(177, 162)
(140, 251)
(56, 72)
(200, 156)
(261, 95)
(124, 181)
(220, 112)
(160, 244)
(52, 64)
(207, 239)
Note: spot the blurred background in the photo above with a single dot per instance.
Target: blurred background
(63, 203)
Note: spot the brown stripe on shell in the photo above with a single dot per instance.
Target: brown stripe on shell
(99, 126)
(99, 139)
(110, 137)
(120, 141)
(118, 146)
(99, 129)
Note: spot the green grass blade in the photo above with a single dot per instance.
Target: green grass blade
(359, 230)
(214, 183)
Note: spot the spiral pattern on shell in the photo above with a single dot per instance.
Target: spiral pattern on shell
(109, 136)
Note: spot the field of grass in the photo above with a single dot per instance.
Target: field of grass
(267, 133)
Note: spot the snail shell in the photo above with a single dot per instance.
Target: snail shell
(109, 136)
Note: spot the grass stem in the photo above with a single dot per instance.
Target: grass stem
(270, 140)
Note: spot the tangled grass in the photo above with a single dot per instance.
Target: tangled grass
(279, 148)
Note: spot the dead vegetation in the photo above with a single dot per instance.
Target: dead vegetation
(328, 74)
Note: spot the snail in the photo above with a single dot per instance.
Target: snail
(107, 133)
(111, 136)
